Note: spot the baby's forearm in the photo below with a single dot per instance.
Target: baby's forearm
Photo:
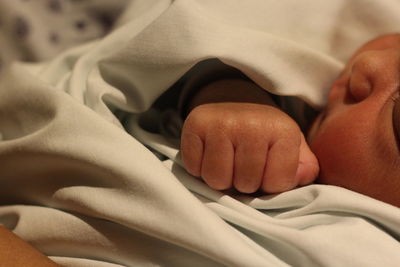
(230, 90)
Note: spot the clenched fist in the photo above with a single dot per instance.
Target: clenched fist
(246, 146)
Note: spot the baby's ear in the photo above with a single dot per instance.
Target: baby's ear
(308, 168)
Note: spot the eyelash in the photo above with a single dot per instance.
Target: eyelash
(396, 100)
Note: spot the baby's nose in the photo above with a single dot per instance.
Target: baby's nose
(374, 71)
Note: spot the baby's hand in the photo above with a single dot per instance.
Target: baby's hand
(247, 146)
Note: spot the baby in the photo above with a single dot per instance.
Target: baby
(236, 136)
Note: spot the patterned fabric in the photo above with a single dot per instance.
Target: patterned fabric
(39, 30)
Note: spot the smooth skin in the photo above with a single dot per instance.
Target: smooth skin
(234, 136)
(248, 145)
(355, 137)
(15, 252)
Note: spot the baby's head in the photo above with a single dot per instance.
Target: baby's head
(356, 138)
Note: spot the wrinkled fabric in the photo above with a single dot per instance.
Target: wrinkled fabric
(86, 191)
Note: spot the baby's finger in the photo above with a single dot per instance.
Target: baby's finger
(192, 152)
(282, 162)
(217, 163)
(308, 168)
(249, 165)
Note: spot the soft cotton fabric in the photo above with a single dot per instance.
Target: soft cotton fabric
(82, 190)
(38, 30)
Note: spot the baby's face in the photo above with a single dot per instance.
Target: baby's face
(355, 139)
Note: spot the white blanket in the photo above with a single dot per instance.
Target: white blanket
(82, 190)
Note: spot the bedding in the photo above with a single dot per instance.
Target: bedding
(78, 179)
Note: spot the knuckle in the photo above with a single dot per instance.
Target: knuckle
(289, 133)
(225, 122)
(206, 117)
(194, 121)
(188, 140)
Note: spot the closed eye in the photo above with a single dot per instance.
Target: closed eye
(396, 116)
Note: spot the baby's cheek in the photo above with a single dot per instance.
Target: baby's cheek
(343, 157)
(348, 160)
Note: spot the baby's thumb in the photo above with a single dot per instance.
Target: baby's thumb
(308, 168)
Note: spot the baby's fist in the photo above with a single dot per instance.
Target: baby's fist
(246, 146)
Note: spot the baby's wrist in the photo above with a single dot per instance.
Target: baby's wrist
(231, 90)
